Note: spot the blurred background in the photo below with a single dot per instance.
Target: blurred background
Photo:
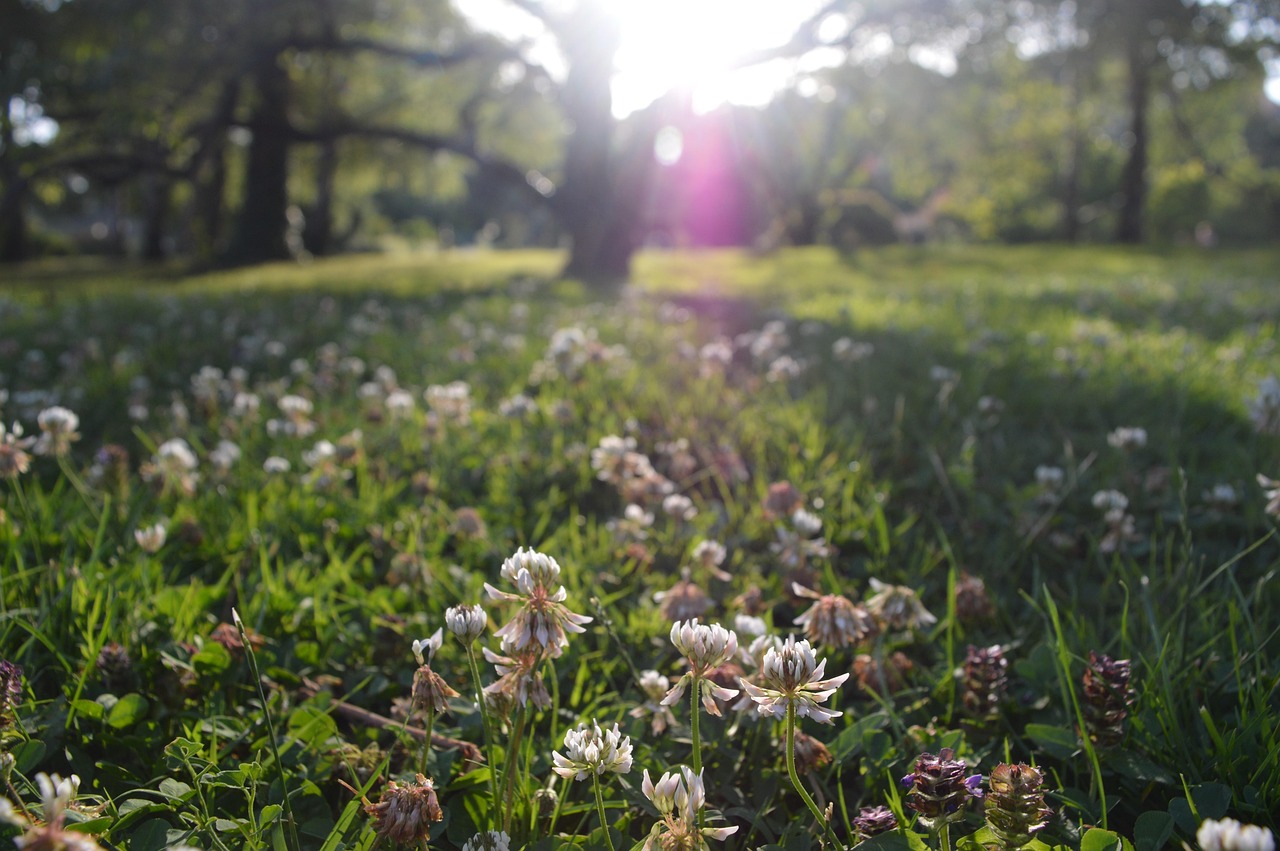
(228, 132)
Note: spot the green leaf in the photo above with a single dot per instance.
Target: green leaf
(1057, 741)
(174, 790)
(1152, 830)
(269, 814)
(88, 708)
(1137, 767)
(212, 659)
(151, 835)
(28, 755)
(128, 711)
(1097, 839)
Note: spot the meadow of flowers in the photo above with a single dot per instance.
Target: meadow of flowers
(905, 554)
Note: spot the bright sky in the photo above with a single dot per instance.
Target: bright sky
(673, 43)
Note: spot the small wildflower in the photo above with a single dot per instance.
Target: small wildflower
(115, 667)
(705, 646)
(939, 789)
(542, 619)
(151, 538)
(679, 506)
(14, 460)
(490, 840)
(1128, 438)
(1270, 490)
(1110, 500)
(1264, 409)
(811, 754)
(782, 500)
(1230, 835)
(57, 796)
(973, 604)
(592, 751)
(519, 679)
(58, 426)
(833, 621)
(10, 690)
(898, 607)
(1015, 808)
(710, 555)
(749, 625)
(679, 798)
(275, 465)
(886, 679)
(792, 676)
(873, 821)
(984, 681)
(1107, 698)
(683, 601)
(430, 691)
(404, 814)
(655, 687)
(1049, 478)
(466, 622)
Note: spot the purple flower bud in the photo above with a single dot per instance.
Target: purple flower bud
(974, 784)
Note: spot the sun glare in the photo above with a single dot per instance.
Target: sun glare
(693, 45)
(690, 45)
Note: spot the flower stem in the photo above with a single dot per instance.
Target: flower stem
(426, 740)
(490, 741)
(944, 837)
(509, 768)
(604, 821)
(795, 778)
(693, 723)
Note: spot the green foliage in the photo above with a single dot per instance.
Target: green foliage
(919, 476)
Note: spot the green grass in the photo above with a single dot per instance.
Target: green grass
(919, 458)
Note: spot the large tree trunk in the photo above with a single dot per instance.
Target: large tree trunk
(1133, 180)
(260, 228)
(598, 216)
(14, 246)
(318, 233)
(156, 199)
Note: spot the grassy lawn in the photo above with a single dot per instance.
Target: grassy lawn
(1014, 489)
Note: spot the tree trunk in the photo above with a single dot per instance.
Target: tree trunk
(14, 247)
(596, 213)
(156, 195)
(1133, 180)
(260, 228)
(318, 233)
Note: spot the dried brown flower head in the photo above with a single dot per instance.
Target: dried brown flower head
(404, 814)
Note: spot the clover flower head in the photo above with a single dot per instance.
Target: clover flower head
(704, 645)
(833, 620)
(151, 538)
(14, 460)
(679, 797)
(1128, 437)
(1230, 835)
(592, 751)
(429, 645)
(791, 675)
(58, 425)
(490, 840)
(57, 795)
(543, 618)
(898, 607)
(466, 622)
(404, 814)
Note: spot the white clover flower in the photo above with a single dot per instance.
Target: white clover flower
(466, 622)
(398, 402)
(58, 426)
(1128, 437)
(543, 619)
(679, 797)
(175, 454)
(1110, 500)
(430, 645)
(679, 506)
(792, 676)
(151, 538)
(275, 465)
(1050, 478)
(706, 646)
(709, 553)
(292, 406)
(592, 751)
(1264, 409)
(655, 686)
(225, 455)
(1230, 835)
(56, 797)
(491, 840)
(1270, 490)
(898, 607)
(806, 523)
(749, 625)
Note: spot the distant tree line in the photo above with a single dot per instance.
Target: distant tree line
(240, 131)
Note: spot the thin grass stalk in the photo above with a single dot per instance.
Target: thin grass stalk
(291, 834)
(490, 741)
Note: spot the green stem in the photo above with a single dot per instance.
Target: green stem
(694, 689)
(795, 778)
(290, 835)
(513, 754)
(944, 836)
(604, 821)
(426, 741)
(490, 741)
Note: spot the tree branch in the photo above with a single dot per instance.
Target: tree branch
(329, 43)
